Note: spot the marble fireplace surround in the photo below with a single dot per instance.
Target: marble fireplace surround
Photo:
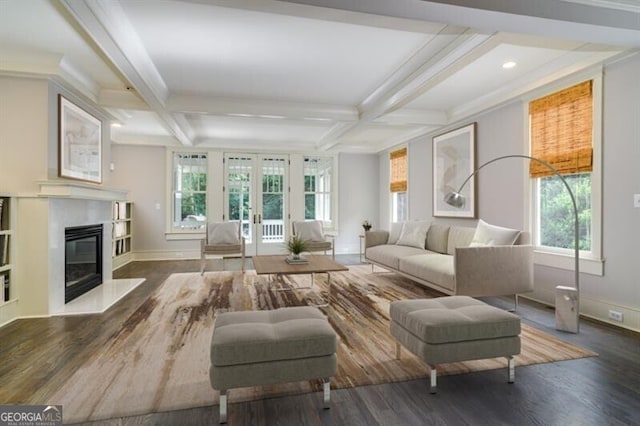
(65, 205)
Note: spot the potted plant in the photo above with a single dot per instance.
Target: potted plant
(366, 225)
(295, 246)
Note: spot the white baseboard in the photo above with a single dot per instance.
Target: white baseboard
(166, 255)
(595, 309)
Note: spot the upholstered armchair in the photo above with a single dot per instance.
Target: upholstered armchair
(314, 237)
(221, 238)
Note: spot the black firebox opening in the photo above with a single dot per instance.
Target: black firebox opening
(82, 260)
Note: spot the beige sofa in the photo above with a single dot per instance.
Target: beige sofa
(451, 261)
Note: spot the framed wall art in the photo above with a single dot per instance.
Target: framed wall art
(454, 159)
(80, 143)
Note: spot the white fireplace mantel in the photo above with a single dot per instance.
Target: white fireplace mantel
(77, 190)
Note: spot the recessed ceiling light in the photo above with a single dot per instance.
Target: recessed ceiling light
(116, 124)
(508, 65)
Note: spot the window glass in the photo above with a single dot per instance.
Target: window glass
(189, 190)
(398, 185)
(399, 208)
(318, 185)
(557, 215)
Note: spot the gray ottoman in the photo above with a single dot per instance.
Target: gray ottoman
(255, 348)
(454, 328)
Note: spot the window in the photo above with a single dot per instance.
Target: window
(562, 133)
(318, 186)
(398, 185)
(189, 189)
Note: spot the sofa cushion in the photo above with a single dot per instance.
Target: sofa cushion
(390, 254)
(261, 336)
(453, 319)
(433, 267)
(459, 236)
(437, 238)
(491, 235)
(414, 234)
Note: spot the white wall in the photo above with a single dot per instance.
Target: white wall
(501, 192)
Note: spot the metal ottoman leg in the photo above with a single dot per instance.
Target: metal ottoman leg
(326, 391)
(512, 369)
(223, 406)
(434, 375)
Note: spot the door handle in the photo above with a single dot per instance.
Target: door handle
(259, 218)
(254, 219)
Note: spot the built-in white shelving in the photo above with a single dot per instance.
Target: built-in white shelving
(7, 238)
(121, 233)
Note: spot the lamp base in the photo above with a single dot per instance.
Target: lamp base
(567, 315)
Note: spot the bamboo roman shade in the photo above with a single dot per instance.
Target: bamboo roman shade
(561, 131)
(398, 178)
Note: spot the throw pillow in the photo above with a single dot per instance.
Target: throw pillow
(223, 233)
(491, 235)
(437, 238)
(414, 234)
(309, 231)
(394, 232)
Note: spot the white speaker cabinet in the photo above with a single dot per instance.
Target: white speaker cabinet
(567, 309)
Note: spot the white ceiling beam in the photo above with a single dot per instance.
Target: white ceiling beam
(414, 116)
(108, 26)
(541, 17)
(123, 99)
(332, 14)
(448, 58)
(436, 60)
(197, 104)
(137, 139)
(253, 144)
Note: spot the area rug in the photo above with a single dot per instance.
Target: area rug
(159, 358)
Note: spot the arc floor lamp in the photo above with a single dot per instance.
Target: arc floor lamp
(567, 298)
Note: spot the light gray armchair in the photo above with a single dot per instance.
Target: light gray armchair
(222, 238)
(314, 237)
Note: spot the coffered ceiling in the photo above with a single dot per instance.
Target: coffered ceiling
(305, 75)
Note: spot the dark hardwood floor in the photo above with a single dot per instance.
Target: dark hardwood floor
(38, 355)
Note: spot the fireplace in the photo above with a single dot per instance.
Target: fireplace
(82, 260)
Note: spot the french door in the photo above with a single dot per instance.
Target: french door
(256, 193)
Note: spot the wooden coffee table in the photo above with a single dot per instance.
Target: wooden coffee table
(276, 265)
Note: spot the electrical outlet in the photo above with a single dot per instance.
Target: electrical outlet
(636, 200)
(615, 315)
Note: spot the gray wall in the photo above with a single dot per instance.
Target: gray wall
(358, 194)
(502, 200)
(23, 134)
(141, 170)
(29, 133)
